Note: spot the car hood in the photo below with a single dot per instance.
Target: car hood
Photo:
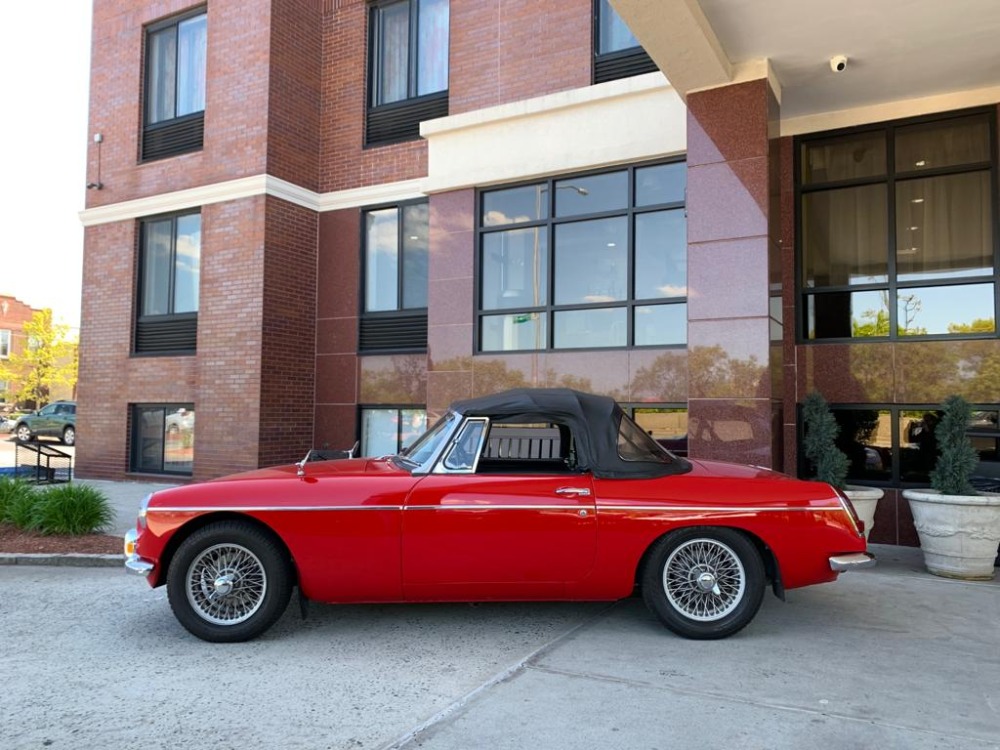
(344, 466)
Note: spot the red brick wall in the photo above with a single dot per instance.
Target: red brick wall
(518, 49)
(236, 108)
(13, 315)
(294, 95)
(288, 353)
(344, 162)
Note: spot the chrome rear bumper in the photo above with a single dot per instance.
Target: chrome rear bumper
(852, 561)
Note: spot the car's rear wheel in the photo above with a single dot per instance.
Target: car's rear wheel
(704, 583)
(69, 436)
(229, 582)
(23, 433)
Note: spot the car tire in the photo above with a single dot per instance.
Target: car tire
(23, 433)
(229, 582)
(704, 583)
(69, 436)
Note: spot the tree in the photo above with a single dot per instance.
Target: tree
(48, 361)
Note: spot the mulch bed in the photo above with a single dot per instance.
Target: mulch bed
(13, 540)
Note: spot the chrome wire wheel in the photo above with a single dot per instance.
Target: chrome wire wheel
(704, 579)
(226, 584)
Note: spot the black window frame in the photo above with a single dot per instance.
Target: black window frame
(624, 63)
(889, 179)
(550, 223)
(896, 448)
(135, 436)
(399, 121)
(178, 135)
(399, 408)
(403, 330)
(169, 334)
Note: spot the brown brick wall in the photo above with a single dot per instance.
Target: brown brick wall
(288, 353)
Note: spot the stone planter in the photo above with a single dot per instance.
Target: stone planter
(864, 500)
(958, 534)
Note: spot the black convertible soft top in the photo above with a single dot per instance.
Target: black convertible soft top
(595, 422)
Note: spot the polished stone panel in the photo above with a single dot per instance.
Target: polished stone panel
(336, 335)
(731, 359)
(728, 124)
(336, 378)
(847, 373)
(930, 371)
(450, 301)
(658, 375)
(339, 263)
(737, 430)
(492, 374)
(728, 279)
(603, 372)
(449, 347)
(452, 235)
(393, 379)
(445, 387)
(728, 201)
(336, 426)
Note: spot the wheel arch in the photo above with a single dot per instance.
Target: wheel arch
(178, 537)
(771, 568)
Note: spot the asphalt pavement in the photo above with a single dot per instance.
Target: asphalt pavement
(890, 657)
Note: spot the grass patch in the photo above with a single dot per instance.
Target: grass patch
(17, 502)
(72, 509)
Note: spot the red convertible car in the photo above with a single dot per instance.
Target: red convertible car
(530, 494)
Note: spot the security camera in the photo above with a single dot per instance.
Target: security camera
(838, 64)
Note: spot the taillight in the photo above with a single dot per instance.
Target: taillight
(845, 501)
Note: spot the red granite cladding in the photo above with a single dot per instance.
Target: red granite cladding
(518, 49)
(236, 108)
(294, 98)
(288, 354)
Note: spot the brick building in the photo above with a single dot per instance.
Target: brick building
(321, 221)
(13, 315)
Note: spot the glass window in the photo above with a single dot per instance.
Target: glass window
(392, 233)
(865, 437)
(386, 431)
(462, 454)
(667, 426)
(921, 248)
(634, 444)
(574, 278)
(4, 344)
(163, 439)
(613, 34)
(170, 265)
(409, 49)
(176, 55)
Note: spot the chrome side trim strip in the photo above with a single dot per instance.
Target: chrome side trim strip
(491, 506)
(269, 508)
(717, 509)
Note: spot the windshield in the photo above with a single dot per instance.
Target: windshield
(635, 445)
(428, 443)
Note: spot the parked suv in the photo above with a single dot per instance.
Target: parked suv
(57, 420)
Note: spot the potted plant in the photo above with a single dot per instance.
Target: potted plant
(959, 528)
(820, 445)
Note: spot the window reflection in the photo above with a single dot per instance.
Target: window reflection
(584, 329)
(844, 236)
(947, 143)
(664, 183)
(515, 269)
(661, 255)
(847, 315)
(511, 333)
(591, 261)
(591, 195)
(866, 439)
(515, 205)
(660, 325)
(967, 308)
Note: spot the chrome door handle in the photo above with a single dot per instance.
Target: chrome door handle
(573, 491)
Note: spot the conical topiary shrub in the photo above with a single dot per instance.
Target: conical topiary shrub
(957, 459)
(819, 443)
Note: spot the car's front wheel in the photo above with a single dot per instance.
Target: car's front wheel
(704, 583)
(22, 432)
(69, 436)
(229, 582)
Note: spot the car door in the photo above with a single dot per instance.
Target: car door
(472, 532)
(45, 423)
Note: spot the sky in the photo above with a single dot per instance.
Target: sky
(45, 64)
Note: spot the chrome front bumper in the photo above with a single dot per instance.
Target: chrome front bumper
(852, 561)
(134, 563)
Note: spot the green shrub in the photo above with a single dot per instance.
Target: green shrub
(957, 458)
(22, 510)
(16, 499)
(819, 443)
(72, 509)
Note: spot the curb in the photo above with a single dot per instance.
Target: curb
(72, 560)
